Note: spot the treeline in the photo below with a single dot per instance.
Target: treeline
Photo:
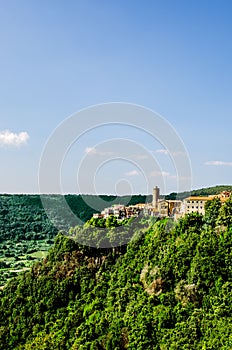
(169, 288)
(22, 217)
(200, 192)
(27, 233)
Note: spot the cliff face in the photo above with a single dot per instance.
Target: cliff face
(169, 288)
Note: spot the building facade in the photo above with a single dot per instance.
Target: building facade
(162, 207)
(195, 204)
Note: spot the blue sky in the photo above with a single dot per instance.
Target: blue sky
(56, 58)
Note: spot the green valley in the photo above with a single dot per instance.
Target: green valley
(168, 288)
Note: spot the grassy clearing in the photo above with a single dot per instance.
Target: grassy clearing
(39, 255)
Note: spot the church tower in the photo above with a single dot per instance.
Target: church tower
(155, 197)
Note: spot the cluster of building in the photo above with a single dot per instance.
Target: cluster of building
(121, 211)
(197, 203)
(162, 207)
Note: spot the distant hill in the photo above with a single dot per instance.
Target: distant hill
(200, 192)
(24, 216)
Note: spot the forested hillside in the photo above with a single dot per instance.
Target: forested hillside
(23, 216)
(26, 232)
(200, 192)
(168, 289)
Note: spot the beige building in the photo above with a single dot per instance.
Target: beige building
(162, 207)
(169, 207)
(195, 204)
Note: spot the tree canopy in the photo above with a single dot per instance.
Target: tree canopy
(168, 288)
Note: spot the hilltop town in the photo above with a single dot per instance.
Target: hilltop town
(161, 207)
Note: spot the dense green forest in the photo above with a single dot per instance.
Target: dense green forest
(169, 288)
(207, 191)
(23, 216)
(26, 232)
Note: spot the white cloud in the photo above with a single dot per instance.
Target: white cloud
(159, 173)
(8, 138)
(140, 156)
(90, 150)
(178, 153)
(162, 151)
(132, 173)
(166, 152)
(182, 178)
(218, 163)
(93, 151)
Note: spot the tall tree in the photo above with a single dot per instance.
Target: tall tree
(225, 214)
(212, 208)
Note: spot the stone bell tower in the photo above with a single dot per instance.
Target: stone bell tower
(155, 197)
